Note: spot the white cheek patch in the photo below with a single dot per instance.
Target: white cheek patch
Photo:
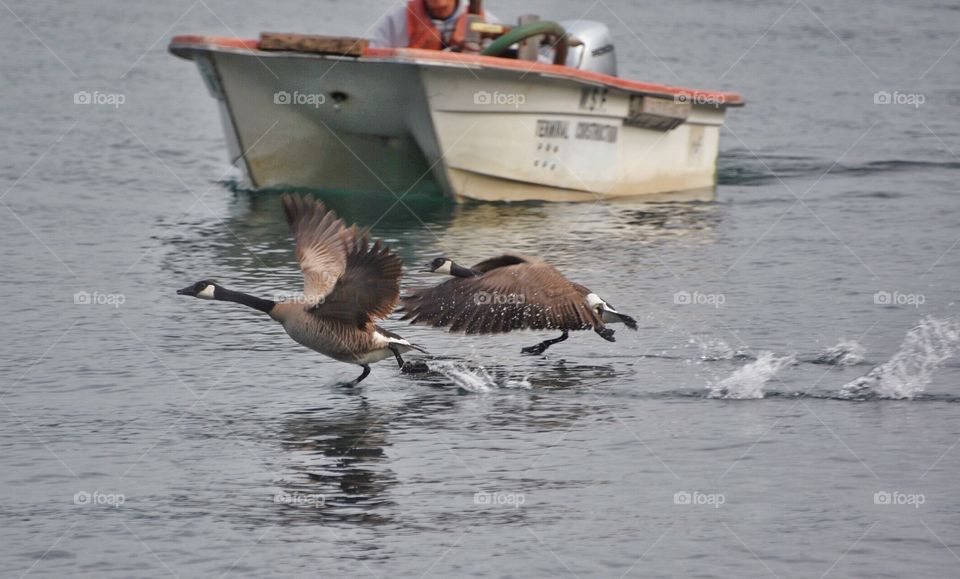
(445, 268)
(206, 293)
(594, 300)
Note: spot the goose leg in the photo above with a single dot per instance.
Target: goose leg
(396, 352)
(542, 346)
(408, 367)
(366, 372)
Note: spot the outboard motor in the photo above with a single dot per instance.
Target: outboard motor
(595, 52)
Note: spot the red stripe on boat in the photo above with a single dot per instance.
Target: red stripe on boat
(420, 55)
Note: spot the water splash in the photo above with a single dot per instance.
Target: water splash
(478, 379)
(845, 353)
(747, 381)
(713, 349)
(905, 375)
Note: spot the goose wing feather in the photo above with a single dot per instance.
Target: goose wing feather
(321, 240)
(369, 288)
(346, 278)
(513, 293)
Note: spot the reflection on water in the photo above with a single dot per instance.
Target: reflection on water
(339, 459)
(253, 238)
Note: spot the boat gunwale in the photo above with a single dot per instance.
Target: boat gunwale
(182, 45)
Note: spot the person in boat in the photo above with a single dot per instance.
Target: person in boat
(429, 24)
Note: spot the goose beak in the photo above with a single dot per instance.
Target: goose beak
(187, 291)
(426, 269)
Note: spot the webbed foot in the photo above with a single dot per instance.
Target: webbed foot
(414, 367)
(538, 349)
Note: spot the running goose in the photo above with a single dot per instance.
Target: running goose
(510, 292)
(347, 285)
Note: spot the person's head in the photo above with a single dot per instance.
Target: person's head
(442, 9)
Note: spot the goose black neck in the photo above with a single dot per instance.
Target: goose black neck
(460, 271)
(254, 302)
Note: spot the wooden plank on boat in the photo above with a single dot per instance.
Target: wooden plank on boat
(339, 45)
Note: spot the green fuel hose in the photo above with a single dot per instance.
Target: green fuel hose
(525, 31)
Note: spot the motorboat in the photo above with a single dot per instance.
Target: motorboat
(538, 113)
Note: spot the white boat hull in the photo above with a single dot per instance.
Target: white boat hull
(399, 123)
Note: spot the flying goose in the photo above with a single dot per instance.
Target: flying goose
(347, 284)
(510, 292)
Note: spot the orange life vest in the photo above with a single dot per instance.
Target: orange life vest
(422, 32)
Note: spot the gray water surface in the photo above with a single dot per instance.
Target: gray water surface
(151, 435)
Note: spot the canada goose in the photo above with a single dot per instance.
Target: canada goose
(347, 284)
(506, 293)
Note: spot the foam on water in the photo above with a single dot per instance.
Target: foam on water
(475, 379)
(844, 353)
(908, 372)
(713, 349)
(747, 381)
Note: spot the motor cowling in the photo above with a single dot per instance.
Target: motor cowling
(595, 52)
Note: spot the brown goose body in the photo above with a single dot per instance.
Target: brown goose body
(349, 283)
(335, 338)
(507, 293)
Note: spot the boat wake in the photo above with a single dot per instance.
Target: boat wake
(743, 167)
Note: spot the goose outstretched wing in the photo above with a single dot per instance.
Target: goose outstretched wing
(513, 293)
(321, 239)
(370, 285)
(345, 276)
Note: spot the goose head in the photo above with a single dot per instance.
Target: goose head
(597, 304)
(440, 265)
(205, 290)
